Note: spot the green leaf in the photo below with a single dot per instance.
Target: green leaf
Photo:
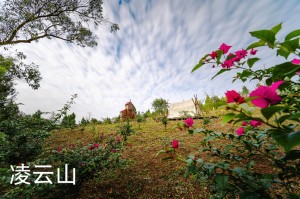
(256, 44)
(291, 155)
(265, 35)
(246, 108)
(283, 52)
(160, 152)
(276, 28)
(219, 53)
(191, 132)
(228, 117)
(223, 165)
(251, 61)
(293, 34)
(291, 45)
(287, 140)
(270, 111)
(220, 72)
(288, 117)
(221, 180)
(201, 63)
(227, 148)
(239, 170)
(283, 70)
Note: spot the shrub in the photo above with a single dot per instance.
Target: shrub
(125, 129)
(270, 139)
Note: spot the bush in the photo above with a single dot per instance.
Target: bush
(125, 129)
(88, 161)
(270, 139)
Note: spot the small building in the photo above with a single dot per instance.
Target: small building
(129, 112)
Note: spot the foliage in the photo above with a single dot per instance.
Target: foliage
(245, 91)
(184, 114)
(212, 103)
(164, 121)
(69, 121)
(107, 120)
(234, 170)
(140, 118)
(88, 161)
(147, 114)
(84, 121)
(24, 136)
(160, 106)
(125, 129)
(27, 21)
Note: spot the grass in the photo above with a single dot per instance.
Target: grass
(143, 175)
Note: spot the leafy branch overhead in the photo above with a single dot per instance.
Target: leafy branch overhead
(69, 20)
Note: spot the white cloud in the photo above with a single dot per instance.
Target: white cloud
(151, 55)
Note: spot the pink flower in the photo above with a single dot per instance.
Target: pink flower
(266, 95)
(189, 122)
(255, 123)
(240, 131)
(59, 149)
(253, 52)
(96, 145)
(118, 138)
(114, 150)
(175, 144)
(225, 48)
(298, 73)
(241, 53)
(244, 123)
(296, 61)
(233, 96)
(236, 59)
(213, 55)
(227, 64)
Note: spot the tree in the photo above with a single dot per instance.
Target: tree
(140, 118)
(69, 121)
(26, 21)
(245, 91)
(160, 106)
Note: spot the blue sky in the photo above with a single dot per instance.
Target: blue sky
(152, 54)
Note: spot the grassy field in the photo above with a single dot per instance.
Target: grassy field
(143, 175)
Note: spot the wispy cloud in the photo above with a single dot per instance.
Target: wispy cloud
(151, 56)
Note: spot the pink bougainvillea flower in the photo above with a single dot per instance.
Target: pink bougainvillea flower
(240, 131)
(241, 53)
(118, 138)
(298, 73)
(225, 48)
(233, 96)
(189, 122)
(227, 64)
(213, 55)
(255, 123)
(296, 61)
(236, 59)
(59, 149)
(175, 144)
(244, 123)
(253, 51)
(266, 95)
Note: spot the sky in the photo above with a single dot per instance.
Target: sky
(152, 55)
